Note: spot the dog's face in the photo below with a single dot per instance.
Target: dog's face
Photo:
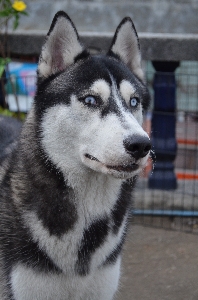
(90, 107)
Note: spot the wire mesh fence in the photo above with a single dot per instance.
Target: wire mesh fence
(171, 209)
(175, 208)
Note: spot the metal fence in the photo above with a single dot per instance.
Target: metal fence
(171, 209)
(177, 208)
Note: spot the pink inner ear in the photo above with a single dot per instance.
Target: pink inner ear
(57, 56)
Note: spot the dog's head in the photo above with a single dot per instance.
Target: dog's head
(90, 107)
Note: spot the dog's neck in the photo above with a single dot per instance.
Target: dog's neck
(97, 192)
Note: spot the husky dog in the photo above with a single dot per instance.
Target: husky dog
(66, 188)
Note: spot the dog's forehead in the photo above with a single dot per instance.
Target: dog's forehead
(104, 89)
(102, 67)
(106, 74)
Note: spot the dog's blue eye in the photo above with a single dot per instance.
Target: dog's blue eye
(90, 100)
(134, 102)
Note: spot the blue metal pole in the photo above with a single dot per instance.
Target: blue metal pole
(163, 126)
(166, 213)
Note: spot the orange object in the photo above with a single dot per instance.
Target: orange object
(187, 176)
(187, 142)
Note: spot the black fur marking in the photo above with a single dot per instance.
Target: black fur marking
(83, 55)
(46, 192)
(10, 129)
(112, 107)
(114, 55)
(112, 258)
(93, 238)
(60, 214)
(16, 243)
(27, 252)
(121, 207)
(51, 198)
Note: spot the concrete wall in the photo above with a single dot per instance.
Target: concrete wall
(173, 16)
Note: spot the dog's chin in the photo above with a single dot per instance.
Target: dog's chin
(121, 171)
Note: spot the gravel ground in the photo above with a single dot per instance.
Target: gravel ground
(159, 264)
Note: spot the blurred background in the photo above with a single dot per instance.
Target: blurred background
(174, 16)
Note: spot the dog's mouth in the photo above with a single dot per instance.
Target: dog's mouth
(91, 157)
(124, 168)
(119, 168)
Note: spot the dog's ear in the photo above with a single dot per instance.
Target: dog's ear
(125, 46)
(61, 46)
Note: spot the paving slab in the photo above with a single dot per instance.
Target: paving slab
(159, 264)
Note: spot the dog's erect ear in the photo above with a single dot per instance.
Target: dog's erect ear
(125, 45)
(61, 46)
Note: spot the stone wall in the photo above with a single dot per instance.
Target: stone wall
(173, 16)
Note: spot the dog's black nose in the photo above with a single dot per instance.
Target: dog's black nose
(137, 146)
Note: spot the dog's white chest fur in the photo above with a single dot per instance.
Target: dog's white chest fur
(28, 285)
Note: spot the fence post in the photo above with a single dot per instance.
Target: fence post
(163, 126)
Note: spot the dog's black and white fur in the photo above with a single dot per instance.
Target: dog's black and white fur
(66, 189)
